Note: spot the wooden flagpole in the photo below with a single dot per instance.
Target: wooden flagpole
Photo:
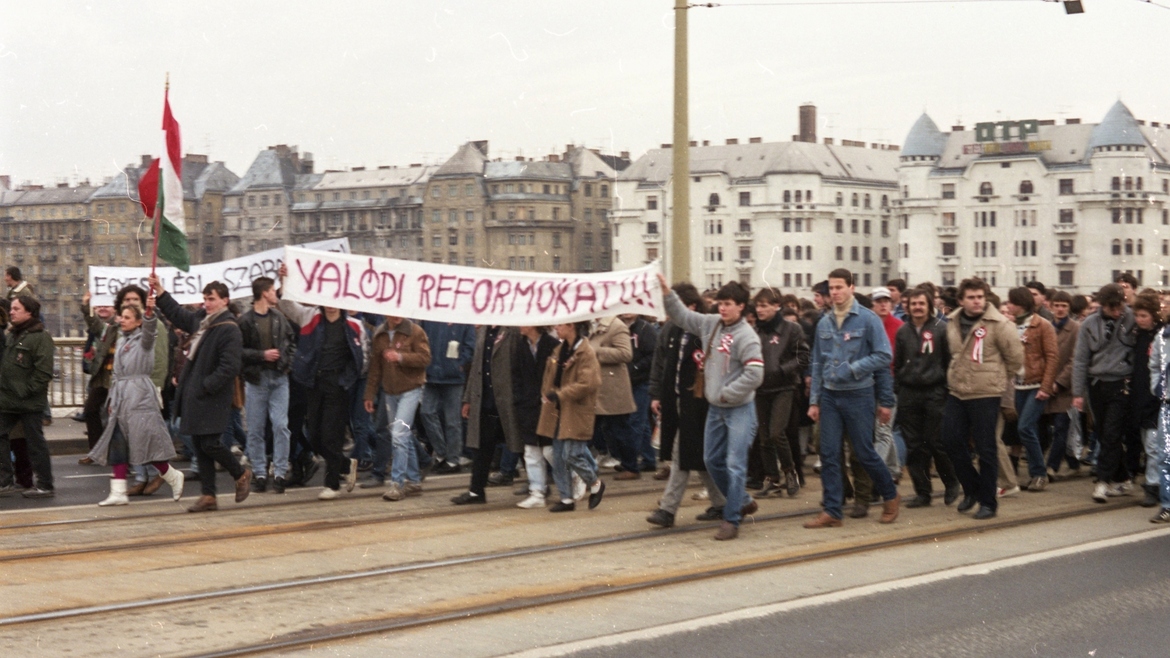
(158, 204)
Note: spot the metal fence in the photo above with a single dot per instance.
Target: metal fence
(68, 386)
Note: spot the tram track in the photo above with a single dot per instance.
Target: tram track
(254, 531)
(398, 622)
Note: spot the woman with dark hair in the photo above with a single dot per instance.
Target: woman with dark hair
(136, 432)
(531, 354)
(572, 378)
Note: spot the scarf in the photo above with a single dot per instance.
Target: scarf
(31, 324)
(204, 325)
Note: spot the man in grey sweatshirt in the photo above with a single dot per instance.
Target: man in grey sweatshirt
(733, 367)
(1102, 365)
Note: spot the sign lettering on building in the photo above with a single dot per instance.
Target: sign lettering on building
(1006, 138)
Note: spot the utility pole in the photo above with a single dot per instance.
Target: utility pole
(680, 214)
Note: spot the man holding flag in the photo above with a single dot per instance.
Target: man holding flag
(204, 395)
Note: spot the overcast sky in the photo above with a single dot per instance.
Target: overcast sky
(393, 83)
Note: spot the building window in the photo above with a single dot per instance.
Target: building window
(1066, 216)
(1066, 186)
(1117, 247)
(745, 198)
(948, 249)
(1067, 246)
(469, 215)
(1026, 187)
(713, 200)
(948, 190)
(985, 189)
(557, 262)
(855, 199)
(652, 228)
(840, 225)
(1066, 278)
(853, 253)
(588, 264)
(469, 239)
(787, 225)
(948, 219)
(799, 253)
(787, 196)
(885, 254)
(853, 226)
(787, 253)
(840, 253)
(745, 253)
(1141, 247)
(867, 203)
(866, 255)
(604, 190)
(556, 240)
(651, 203)
(885, 228)
(840, 199)
(745, 226)
(798, 225)
(865, 227)
(588, 189)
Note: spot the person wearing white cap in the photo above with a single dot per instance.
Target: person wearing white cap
(883, 435)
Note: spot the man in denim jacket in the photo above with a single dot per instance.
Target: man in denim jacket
(850, 356)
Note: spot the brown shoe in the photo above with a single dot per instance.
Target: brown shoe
(244, 485)
(137, 489)
(823, 521)
(751, 508)
(204, 504)
(890, 509)
(727, 530)
(153, 485)
(85, 461)
(859, 511)
(662, 473)
(628, 475)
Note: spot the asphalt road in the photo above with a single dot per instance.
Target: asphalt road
(1108, 603)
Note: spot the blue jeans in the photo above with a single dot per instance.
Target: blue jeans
(234, 433)
(442, 406)
(640, 427)
(726, 443)
(616, 433)
(853, 412)
(364, 434)
(398, 415)
(1060, 449)
(268, 401)
(1029, 409)
(1164, 456)
(572, 457)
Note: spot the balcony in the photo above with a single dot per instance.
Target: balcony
(651, 237)
(48, 258)
(744, 235)
(1062, 229)
(1065, 259)
(947, 260)
(947, 230)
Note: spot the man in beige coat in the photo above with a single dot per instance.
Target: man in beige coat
(985, 353)
(612, 431)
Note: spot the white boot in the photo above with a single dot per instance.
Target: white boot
(533, 501)
(117, 494)
(174, 477)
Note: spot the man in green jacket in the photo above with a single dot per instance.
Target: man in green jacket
(26, 369)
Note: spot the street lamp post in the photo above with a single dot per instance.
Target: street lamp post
(680, 220)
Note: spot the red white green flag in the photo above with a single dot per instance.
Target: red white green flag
(160, 191)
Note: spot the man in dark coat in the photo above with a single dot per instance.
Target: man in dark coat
(26, 369)
(487, 406)
(643, 340)
(203, 398)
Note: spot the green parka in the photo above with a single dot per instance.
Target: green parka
(26, 370)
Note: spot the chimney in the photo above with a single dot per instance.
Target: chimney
(625, 155)
(415, 164)
(553, 157)
(481, 146)
(6, 182)
(1071, 122)
(1155, 124)
(808, 123)
(146, 160)
(755, 140)
(519, 158)
(1141, 122)
(195, 157)
(693, 143)
(383, 167)
(1046, 122)
(731, 141)
(958, 129)
(894, 147)
(307, 163)
(63, 184)
(666, 146)
(828, 141)
(357, 168)
(706, 142)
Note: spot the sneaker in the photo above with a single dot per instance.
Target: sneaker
(442, 468)
(769, 487)
(1163, 516)
(328, 494)
(259, 485)
(8, 490)
(661, 518)
(394, 492)
(609, 462)
(791, 483)
(533, 501)
(952, 494)
(37, 492)
(701, 495)
(412, 489)
(464, 461)
(1004, 493)
(984, 513)
(371, 483)
(468, 498)
(859, 511)
(1124, 488)
(921, 500)
(1100, 492)
(1151, 498)
(351, 476)
(1038, 483)
(1117, 490)
(278, 485)
(580, 490)
(711, 514)
(755, 484)
(817, 466)
(562, 506)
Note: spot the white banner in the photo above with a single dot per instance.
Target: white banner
(467, 295)
(187, 287)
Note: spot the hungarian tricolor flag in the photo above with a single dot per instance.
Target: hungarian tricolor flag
(160, 192)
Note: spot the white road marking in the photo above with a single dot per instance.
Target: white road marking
(756, 612)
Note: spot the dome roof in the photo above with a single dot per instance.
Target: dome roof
(925, 139)
(1118, 128)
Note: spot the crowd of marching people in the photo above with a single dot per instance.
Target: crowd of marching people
(750, 391)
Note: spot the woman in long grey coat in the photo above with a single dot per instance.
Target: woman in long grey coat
(136, 432)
